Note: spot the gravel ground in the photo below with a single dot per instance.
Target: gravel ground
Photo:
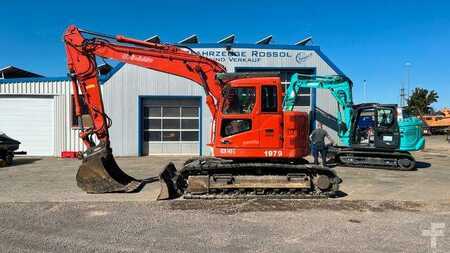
(42, 210)
(236, 227)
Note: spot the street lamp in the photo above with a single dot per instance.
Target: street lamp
(408, 66)
(365, 90)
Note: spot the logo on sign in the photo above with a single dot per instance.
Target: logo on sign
(244, 56)
(302, 57)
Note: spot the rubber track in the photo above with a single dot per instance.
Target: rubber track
(244, 168)
(255, 196)
(369, 154)
(217, 166)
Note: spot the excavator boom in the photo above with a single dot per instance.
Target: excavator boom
(341, 89)
(99, 172)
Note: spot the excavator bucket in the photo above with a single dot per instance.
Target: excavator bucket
(99, 173)
(167, 180)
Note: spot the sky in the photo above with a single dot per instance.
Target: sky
(367, 40)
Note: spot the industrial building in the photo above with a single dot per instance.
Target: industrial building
(152, 112)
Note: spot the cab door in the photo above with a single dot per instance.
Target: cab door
(270, 117)
(387, 133)
(236, 124)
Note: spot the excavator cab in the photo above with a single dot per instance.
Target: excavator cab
(251, 123)
(375, 126)
(383, 126)
(243, 120)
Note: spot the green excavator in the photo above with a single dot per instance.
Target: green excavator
(370, 134)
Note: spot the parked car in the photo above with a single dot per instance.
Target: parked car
(7, 147)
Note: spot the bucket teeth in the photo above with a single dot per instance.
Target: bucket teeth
(99, 173)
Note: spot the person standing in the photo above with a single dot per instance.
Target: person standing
(317, 139)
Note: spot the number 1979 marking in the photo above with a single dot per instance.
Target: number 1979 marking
(273, 153)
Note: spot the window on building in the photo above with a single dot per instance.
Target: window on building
(303, 101)
(304, 94)
(269, 99)
(84, 110)
(239, 100)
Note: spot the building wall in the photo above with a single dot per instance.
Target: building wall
(65, 138)
(121, 95)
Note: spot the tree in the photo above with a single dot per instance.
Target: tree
(419, 103)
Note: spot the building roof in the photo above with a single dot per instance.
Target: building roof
(193, 39)
(108, 73)
(10, 72)
(264, 41)
(304, 41)
(154, 39)
(227, 40)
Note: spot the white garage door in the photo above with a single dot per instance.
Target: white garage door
(30, 121)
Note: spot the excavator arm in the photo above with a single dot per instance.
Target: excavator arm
(99, 173)
(81, 56)
(341, 89)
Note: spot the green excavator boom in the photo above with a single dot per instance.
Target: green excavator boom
(341, 89)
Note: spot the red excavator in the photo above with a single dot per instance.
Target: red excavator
(258, 148)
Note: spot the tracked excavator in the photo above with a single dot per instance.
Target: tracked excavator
(258, 148)
(370, 134)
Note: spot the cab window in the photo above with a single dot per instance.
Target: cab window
(239, 100)
(366, 119)
(269, 99)
(385, 117)
(235, 126)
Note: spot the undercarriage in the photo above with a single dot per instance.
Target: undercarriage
(213, 178)
(373, 158)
